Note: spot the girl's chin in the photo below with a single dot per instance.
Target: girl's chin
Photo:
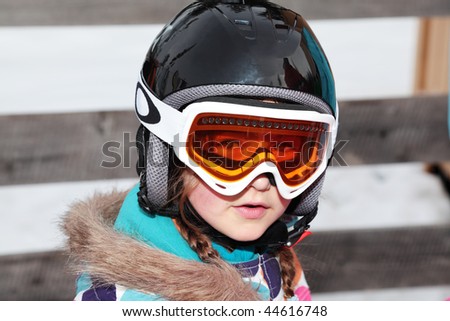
(245, 237)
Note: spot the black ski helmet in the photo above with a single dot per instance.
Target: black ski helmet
(253, 49)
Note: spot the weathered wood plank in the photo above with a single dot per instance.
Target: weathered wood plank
(36, 277)
(94, 12)
(376, 259)
(100, 145)
(393, 130)
(67, 147)
(333, 261)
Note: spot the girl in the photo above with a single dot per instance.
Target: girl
(238, 118)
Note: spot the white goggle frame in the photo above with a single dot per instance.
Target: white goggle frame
(173, 126)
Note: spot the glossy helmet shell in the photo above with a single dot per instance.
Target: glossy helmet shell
(233, 48)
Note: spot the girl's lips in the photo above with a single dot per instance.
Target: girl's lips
(251, 211)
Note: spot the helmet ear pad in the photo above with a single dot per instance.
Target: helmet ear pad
(156, 165)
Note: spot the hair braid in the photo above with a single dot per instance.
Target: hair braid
(287, 271)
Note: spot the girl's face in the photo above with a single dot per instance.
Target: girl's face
(242, 217)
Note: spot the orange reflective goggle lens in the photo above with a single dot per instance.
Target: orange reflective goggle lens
(229, 147)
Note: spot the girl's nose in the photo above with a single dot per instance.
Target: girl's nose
(261, 183)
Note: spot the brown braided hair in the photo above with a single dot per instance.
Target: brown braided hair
(202, 244)
(287, 271)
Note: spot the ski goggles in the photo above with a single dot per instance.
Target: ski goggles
(229, 144)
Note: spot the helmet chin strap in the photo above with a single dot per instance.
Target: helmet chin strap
(300, 227)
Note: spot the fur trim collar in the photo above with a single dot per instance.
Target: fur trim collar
(96, 248)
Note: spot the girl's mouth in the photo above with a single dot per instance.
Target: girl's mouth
(251, 211)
